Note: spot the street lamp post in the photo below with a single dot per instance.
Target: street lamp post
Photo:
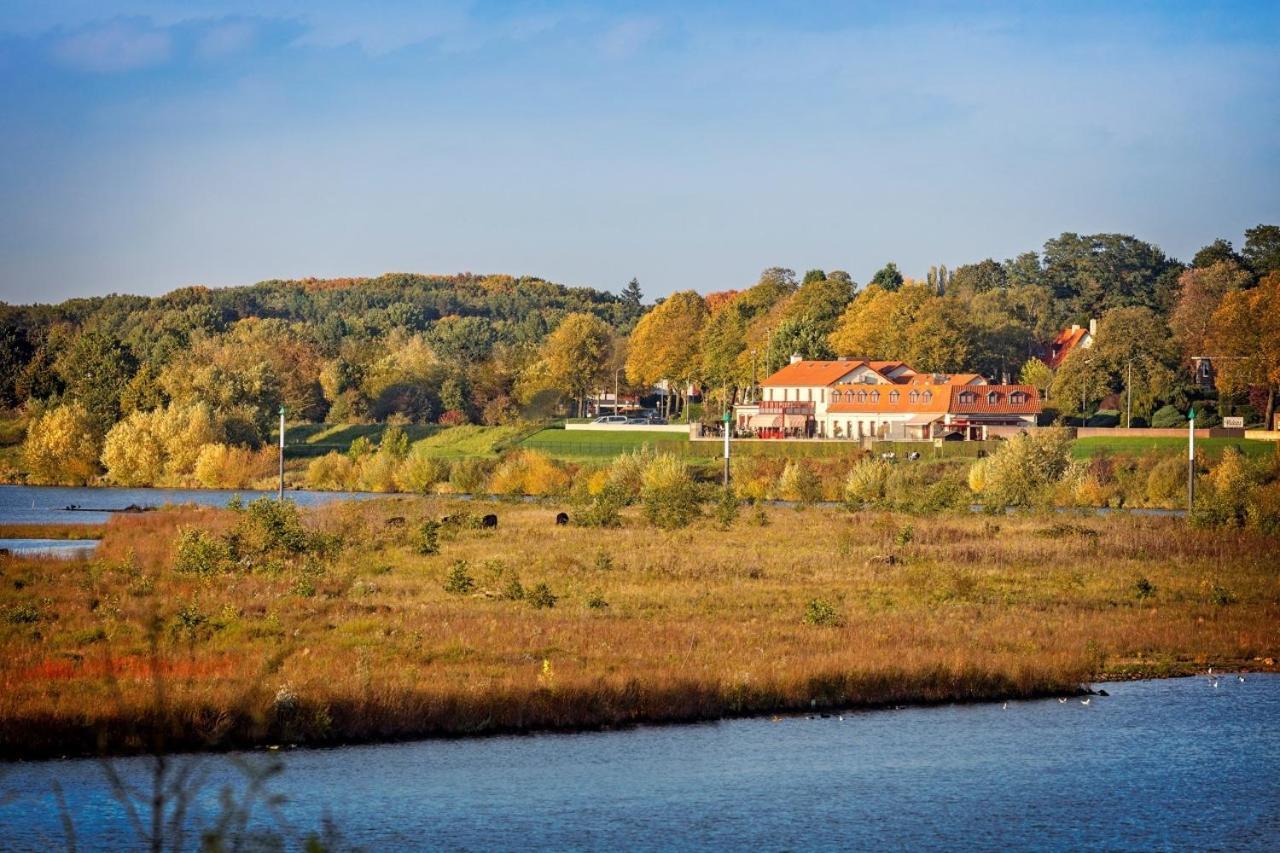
(281, 493)
(1191, 461)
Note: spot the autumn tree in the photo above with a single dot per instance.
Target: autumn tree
(62, 447)
(1201, 290)
(1136, 354)
(1245, 332)
(664, 345)
(877, 322)
(575, 355)
(939, 339)
(1038, 375)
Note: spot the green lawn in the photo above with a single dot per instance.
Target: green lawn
(1121, 444)
(592, 444)
(307, 440)
(458, 442)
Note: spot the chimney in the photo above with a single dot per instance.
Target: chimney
(796, 357)
(1093, 327)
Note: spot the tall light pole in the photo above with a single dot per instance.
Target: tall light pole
(280, 496)
(615, 388)
(1191, 461)
(1128, 403)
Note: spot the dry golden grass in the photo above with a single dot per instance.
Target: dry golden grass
(699, 623)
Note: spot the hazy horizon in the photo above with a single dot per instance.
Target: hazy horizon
(155, 145)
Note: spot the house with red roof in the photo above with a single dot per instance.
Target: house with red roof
(857, 399)
(1076, 337)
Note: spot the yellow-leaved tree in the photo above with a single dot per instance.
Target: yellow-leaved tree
(665, 343)
(1244, 332)
(62, 447)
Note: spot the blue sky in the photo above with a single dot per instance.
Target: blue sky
(149, 145)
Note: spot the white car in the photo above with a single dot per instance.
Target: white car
(611, 419)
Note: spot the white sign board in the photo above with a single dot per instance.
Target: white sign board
(1233, 423)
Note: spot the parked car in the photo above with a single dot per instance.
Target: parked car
(638, 421)
(612, 419)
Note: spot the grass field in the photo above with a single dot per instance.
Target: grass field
(591, 445)
(816, 609)
(1212, 447)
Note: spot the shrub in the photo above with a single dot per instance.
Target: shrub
(595, 601)
(1168, 417)
(866, 482)
(541, 596)
(459, 580)
(529, 472)
(419, 471)
(604, 561)
(221, 466)
(22, 614)
(1021, 470)
(819, 611)
(669, 496)
(626, 473)
(201, 553)
(1263, 511)
(1143, 588)
(905, 535)
(1167, 482)
(1222, 497)
(600, 510)
(513, 591)
(468, 476)
(427, 542)
(1104, 418)
(453, 418)
(189, 623)
(334, 471)
(799, 483)
(726, 508)
(268, 526)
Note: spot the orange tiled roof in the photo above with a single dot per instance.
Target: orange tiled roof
(812, 373)
(947, 379)
(994, 400)
(1063, 343)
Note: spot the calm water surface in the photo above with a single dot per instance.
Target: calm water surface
(48, 504)
(1157, 765)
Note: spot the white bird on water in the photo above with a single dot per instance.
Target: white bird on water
(1062, 700)
(1084, 701)
(1240, 678)
(1005, 707)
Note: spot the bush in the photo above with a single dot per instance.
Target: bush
(1222, 496)
(1104, 418)
(600, 510)
(866, 482)
(1167, 482)
(1143, 588)
(726, 508)
(420, 471)
(62, 447)
(459, 580)
(541, 596)
(427, 542)
(468, 476)
(1168, 417)
(799, 483)
(595, 601)
(201, 553)
(221, 466)
(1263, 512)
(626, 473)
(529, 472)
(668, 494)
(268, 526)
(819, 611)
(333, 472)
(513, 591)
(1022, 469)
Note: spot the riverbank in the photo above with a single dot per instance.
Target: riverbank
(356, 635)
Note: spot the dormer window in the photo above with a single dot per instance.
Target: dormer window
(875, 396)
(914, 396)
(1017, 398)
(893, 396)
(862, 396)
(993, 398)
(928, 396)
(968, 396)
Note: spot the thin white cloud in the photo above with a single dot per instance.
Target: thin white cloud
(226, 39)
(113, 47)
(626, 38)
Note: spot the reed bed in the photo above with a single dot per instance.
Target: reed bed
(811, 610)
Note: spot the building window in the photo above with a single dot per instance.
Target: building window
(822, 395)
(1017, 398)
(993, 397)
(875, 396)
(893, 396)
(914, 396)
(1204, 369)
(967, 397)
(808, 394)
(862, 396)
(928, 396)
(786, 394)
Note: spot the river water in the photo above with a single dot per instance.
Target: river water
(1158, 764)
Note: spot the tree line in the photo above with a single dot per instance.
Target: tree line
(210, 367)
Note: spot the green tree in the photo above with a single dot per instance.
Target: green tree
(1219, 251)
(978, 278)
(1262, 249)
(940, 338)
(1037, 374)
(888, 277)
(1097, 272)
(462, 340)
(95, 370)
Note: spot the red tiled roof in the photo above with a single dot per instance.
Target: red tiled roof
(984, 404)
